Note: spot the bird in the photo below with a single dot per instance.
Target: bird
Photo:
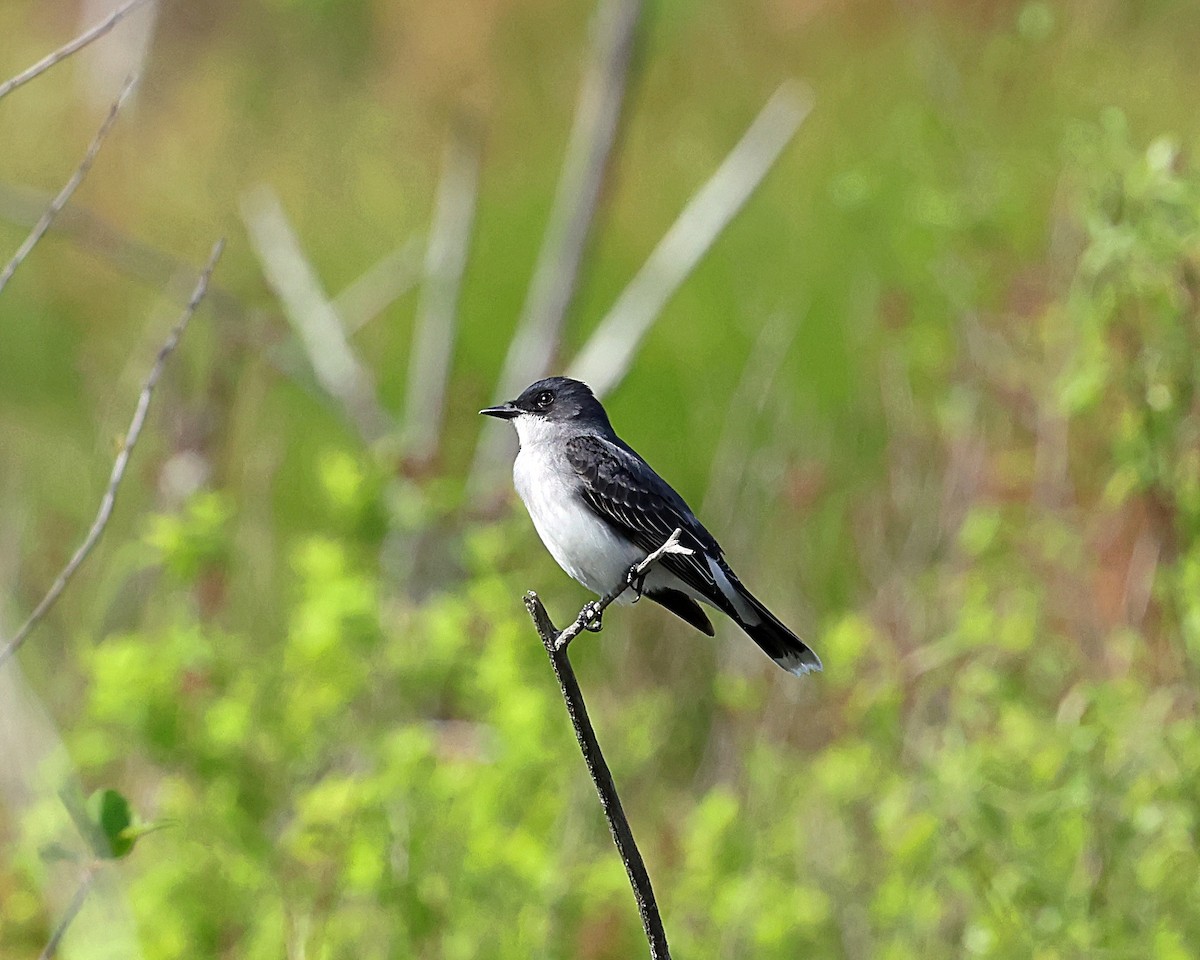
(600, 508)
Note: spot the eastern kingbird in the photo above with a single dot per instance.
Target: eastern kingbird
(599, 509)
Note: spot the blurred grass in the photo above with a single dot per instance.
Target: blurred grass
(967, 488)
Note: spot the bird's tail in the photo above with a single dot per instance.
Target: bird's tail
(777, 641)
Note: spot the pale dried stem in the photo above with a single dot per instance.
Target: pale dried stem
(119, 464)
(72, 911)
(132, 257)
(445, 261)
(556, 274)
(609, 352)
(60, 201)
(379, 286)
(66, 50)
(311, 315)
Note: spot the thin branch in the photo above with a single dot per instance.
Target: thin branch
(119, 465)
(311, 315)
(60, 201)
(81, 41)
(610, 800)
(556, 643)
(445, 260)
(609, 352)
(588, 155)
(72, 911)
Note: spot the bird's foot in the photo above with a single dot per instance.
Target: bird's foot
(591, 617)
(637, 582)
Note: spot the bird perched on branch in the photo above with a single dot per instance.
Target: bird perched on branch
(600, 508)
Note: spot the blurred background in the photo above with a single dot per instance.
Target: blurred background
(933, 388)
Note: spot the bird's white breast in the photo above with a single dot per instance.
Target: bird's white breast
(582, 544)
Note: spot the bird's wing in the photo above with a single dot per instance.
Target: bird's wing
(622, 489)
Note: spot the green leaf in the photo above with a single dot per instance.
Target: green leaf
(110, 811)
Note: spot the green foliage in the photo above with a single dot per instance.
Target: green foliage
(195, 541)
(1136, 356)
(104, 821)
(110, 812)
(436, 824)
(974, 484)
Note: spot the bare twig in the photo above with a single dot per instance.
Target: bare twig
(72, 911)
(608, 353)
(312, 317)
(445, 260)
(81, 41)
(610, 800)
(556, 642)
(60, 201)
(119, 465)
(593, 133)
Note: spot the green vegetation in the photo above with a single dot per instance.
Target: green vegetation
(973, 485)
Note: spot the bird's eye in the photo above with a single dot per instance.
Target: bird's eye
(544, 399)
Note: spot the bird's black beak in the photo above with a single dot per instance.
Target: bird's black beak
(505, 411)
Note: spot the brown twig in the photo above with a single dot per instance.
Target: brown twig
(60, 201)
(81, 41)
(556, 642)
(119, 465)
(72, 911)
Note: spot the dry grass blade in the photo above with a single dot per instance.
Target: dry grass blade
(381, 285)
(609, 352)
(99, 238)
(311, 315)
(590, 145)
(60, 201)
(72, 911)
(731, 463)
(119, 465)
(81, 41)
(593, 133)
(445, 261)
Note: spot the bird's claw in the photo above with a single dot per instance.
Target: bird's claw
(592, 616)
(637, 582)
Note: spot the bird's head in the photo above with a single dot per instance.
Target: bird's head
(553, 401)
